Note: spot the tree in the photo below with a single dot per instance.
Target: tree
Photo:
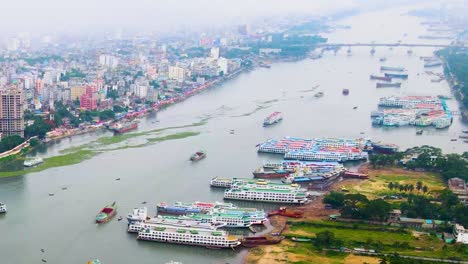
(419, 186)
(391, 186)
(39, 128)
(335, 199)
(425, 189)
(118, 109)
(410, 187)
(10, 142)
(324, 239)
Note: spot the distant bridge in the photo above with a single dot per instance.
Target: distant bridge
(338, 45)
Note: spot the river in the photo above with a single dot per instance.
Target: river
(63, 224)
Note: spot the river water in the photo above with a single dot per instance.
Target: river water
(63, 224)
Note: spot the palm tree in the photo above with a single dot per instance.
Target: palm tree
(419, 186)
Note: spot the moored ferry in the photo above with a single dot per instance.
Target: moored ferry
(138, 215)
(271, 174)
(273, 118)
(180, 208)
(397, 76)
(397, 69)
(3, 208)
(227, 183)
(122, 127)
(189, 236)
(174, 221)
(267, 195)
(380, 78)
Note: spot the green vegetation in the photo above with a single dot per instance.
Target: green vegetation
(10, 142)
(74, 73)
(62, 112)
(457, 64)
(380, 238)
(39, 128)
(174, 136)
(357, 206)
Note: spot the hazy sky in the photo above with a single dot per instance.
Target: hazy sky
(56, 15)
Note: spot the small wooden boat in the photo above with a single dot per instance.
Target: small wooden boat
(106, 213)
(198, 155)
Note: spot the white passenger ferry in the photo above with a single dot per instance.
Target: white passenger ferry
(267, 195)
(3, 208)
(138, 215)
(173, 221)
(189, 236)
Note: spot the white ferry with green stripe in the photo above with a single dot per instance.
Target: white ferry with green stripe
(189, 236)
(267, 195)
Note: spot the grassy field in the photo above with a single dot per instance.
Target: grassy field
(377, 185)
(361, 235)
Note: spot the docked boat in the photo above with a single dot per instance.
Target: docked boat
(122, 127)
(380, 78)
(175, 221)
(96, 261)
(397, 69)
(33, 162)
(138, 215)
(273, 118)
(227, 183)
(260, 240)
(345, 91)
(419, 132)
(3, 208)
(189, 236)
(180, 208)
(267, 195)
(106, 213)
(432, 64)
(384, 148)
(385, 85)
(397, 76)
(198, 155)
(319, 94)
(445, 97)
(271, 174)
(301, 239)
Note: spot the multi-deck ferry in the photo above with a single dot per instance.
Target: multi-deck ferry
(267, 195)
(138, 215)
(173, 221)
(180, 208)
(273, 118)
(189, 236)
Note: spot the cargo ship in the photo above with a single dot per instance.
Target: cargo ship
(189, 236)
(384, 148)
(271, 174)
(381, 78)
(180, 208)
(3, 208)
(122, 127)
(273, 118)
(397, 69)
(385, 85)
(106, 213)
(138, 215)
(198, 155)
(397, 76)
(33, 162)
(267, 195)
(260, 240)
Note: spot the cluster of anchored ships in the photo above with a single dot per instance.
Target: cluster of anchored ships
(318, 149)
(195, 223)
(413, 110)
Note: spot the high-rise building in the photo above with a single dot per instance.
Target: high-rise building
(12, 112)
(177, 73)
(214, 53)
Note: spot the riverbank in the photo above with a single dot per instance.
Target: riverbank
(77, 154)
(316, 219)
